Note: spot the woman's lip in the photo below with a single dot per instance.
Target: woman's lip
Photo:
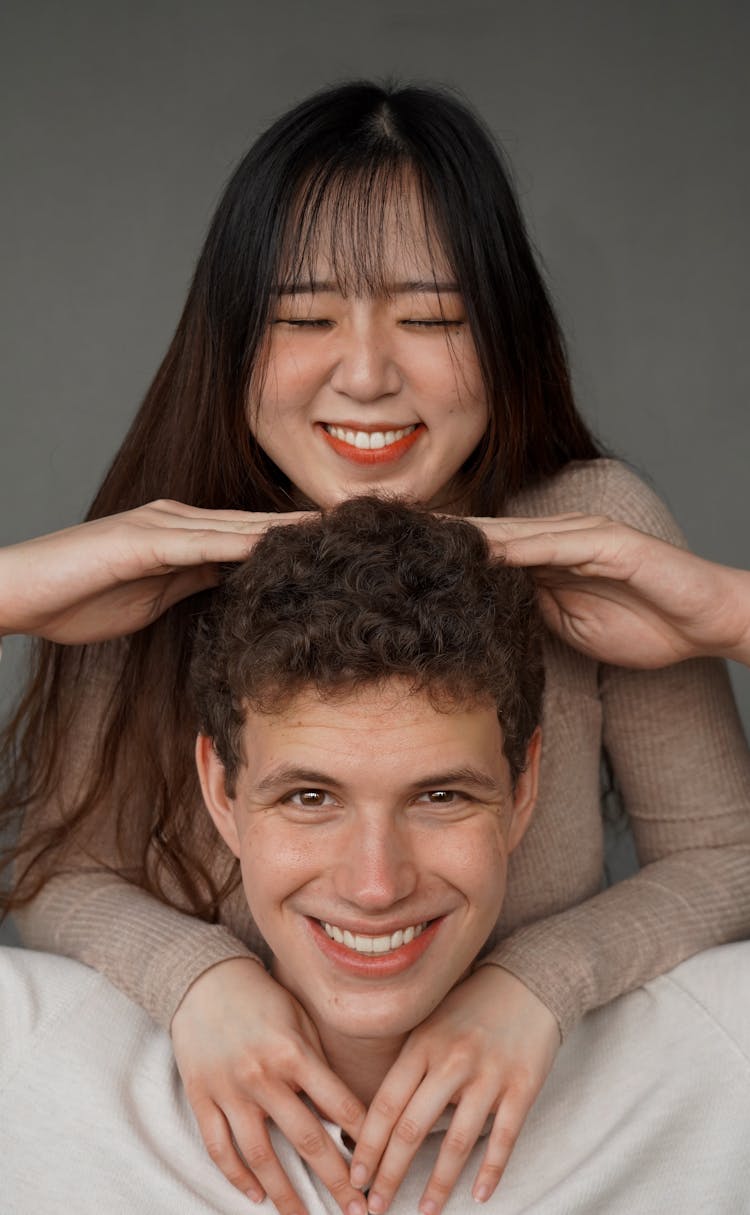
(373, 966)
(378, 455)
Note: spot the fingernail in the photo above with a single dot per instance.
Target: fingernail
(356, 1208)
(482, 1193)
(375, 1204)
(428, 1207)
(254, 1195)
(359, 1176)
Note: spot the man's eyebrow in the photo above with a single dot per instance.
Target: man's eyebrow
(458, 776)
(411, 287)
(292, 774)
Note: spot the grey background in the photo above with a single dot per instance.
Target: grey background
(628, 127)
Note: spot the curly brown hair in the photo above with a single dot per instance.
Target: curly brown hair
(371, 590)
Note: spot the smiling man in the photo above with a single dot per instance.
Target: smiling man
(369, 688)
(379, 762)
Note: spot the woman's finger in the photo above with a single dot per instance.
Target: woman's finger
(458, 1143)
(220, 1146)
(311, 1141)
(331, 1096)
(436, 1092)
(506, 1128)
(386, 1107)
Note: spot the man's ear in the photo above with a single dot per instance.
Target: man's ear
(213, 786)
(524, 794)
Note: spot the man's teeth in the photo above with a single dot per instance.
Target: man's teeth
(367, 441)
(363, 944)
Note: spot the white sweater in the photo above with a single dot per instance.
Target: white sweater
(647, 1109)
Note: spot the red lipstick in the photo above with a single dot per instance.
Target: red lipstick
(378, 455)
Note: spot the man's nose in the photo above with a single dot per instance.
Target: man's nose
(376, 867)
(366, 369)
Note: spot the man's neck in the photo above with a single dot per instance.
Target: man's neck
(361, 1063)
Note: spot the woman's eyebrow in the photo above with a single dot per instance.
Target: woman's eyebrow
(411, 287)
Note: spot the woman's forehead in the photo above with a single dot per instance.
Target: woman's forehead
(364, 242)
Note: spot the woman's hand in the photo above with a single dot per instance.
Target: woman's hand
(624, 597)
(116, 575)
(246, 1049)
(487, 1049)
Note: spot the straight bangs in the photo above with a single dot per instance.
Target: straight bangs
(356, 219)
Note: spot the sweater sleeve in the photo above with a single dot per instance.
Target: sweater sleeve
(150, 950)
(681, 764)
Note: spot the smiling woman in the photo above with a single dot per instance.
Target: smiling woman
(367, 316)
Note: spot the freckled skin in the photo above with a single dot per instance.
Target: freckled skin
(370, 364)
(381, 848)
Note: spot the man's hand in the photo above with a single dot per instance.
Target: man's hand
(487, 1049)
(246, 1049)
(622, 596)
(116, 575)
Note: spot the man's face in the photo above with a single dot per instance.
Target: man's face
(373, 833)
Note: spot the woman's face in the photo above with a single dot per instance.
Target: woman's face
(369, 393)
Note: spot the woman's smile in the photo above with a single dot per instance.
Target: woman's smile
(378, 444)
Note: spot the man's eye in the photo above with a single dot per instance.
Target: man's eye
(310, 798)
(441, 797)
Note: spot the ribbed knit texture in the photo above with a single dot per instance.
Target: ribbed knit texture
(676, 745)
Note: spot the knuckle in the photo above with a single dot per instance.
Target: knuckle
(217, 1150)
(338, 1185)
(257, 1155)
(386, 1183)
(350, 1110)
(408, 1131)
(312, 1143)
(504, 1137)
(491, 1174)
(238, 1177)
(383, 1105)
(457, 1143)
(441, 1186)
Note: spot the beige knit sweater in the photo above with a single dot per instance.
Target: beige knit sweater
(681, 762)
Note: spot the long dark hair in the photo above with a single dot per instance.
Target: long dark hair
(339, 159)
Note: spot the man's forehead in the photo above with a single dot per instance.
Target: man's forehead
(381, 726)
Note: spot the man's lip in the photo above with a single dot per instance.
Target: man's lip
(368, 929)
(373, 965)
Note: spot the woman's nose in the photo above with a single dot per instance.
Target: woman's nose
(366, 369)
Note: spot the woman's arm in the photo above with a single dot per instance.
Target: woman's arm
(113, 576)
(681, 762)
(623, 596)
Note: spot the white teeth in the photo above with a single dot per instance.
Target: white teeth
(367, 441)
(365, 944)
